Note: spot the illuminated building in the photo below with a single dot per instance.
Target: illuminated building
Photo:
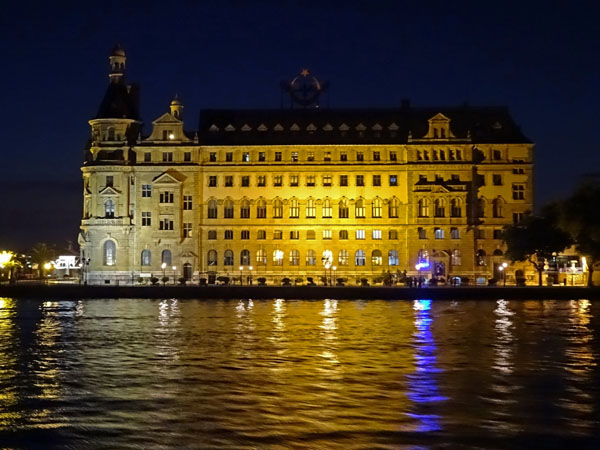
(298, 192)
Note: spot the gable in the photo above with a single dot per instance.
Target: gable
(109, 190)
(167, 119)
(169, 177)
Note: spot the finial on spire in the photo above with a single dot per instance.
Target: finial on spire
(176, 107)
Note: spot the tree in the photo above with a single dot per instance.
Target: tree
(535, 239)
(580, 217)
(41, 254)
(9, 262)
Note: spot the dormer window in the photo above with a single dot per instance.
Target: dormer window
(439, 128)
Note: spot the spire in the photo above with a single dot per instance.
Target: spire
(176, 107)
(117, 64)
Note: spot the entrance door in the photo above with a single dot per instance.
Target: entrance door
(187, 271)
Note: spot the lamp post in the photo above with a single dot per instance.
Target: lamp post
(279, 258)
(503, 269)
(174, 275)
(241, 275)
(163, 267)
(334, 268)
(250, 276)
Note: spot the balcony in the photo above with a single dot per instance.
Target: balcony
(115, 221)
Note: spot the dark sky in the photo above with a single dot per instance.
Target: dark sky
(541, 60)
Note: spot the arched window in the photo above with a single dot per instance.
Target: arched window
(359, 210)
(294, 257)
(439, 208)
(393, 257)
(212, 258)
(146, 258)
(109, 208)
(261, 257)
(423, 207)
(456, 259)
(311, 210)
(393, 207)
(327, 258)
(245, 258)
(311, 258)
(497, 208)
(376, 258)
(110, 253)
(277, 209)
(228, 260)
(480, 257)
(278, 257)
(261, 209)
(110, 134)
(376, 207)
(245, 209)
(343, 258)
(498, 252)
(360, 258)
(187, 271)
(212, 209)
(326, 208)
(166, 257)
(455, 208)
(343, 208)
(228, 212)
(294, 209)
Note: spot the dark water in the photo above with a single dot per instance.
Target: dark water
(145, 374)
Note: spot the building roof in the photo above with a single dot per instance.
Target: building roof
(354, 126)
(120, 102)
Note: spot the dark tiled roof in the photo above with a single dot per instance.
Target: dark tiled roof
(120, 102)
(364, 126)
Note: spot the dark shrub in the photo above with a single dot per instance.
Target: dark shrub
(154, 280)
(286, 281)
(492, 282)
(262, 281)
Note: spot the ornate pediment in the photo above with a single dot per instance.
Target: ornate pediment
(169, 177)
(109, 190)
(167, 119)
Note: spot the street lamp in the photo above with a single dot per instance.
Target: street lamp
(241, 275)
(503, 269)
(163, 267)
(250, 276)
(174, 275)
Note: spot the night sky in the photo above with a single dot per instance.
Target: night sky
(542, 61)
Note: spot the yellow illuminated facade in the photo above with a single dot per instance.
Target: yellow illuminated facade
(298, 193)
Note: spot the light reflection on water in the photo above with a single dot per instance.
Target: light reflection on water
(298, 374)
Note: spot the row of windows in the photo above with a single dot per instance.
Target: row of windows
(294, 258)
(439, 155)
(294, 180)
(440, 233)
(439, 207)
(294, 156)
(167, 157)
(165, 257)
(360, 209)
(310, 234)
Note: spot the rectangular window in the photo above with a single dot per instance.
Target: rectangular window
(327, 156)
(262, 156)
(454, 233)
(166, 197)
(376, 180)
(212, 209)
(261, 180)
(311, 209)
(376, 156)
(360, 234)
(497, 155)
(187, 202)
(187, 230)
(294, 156)
(212, 235)
(167, 156)
(497, 179)
(294, 234)
(261, 234)
(246, 157)
(109, 180)
(343, 156)
(146, 219)
(393, 156)
(343, 234)
(294, 180)
(228, 180)
(146, 190)
(376, 234)
(166, 224)
(518, 171)
(147, 157)
(517, 217)
(360, 180)
(212, 156)
(228, 234)
(422, 233)
(393, 235)
(245, 234)
(212, 181)
(310, 156)
(229, 156)
(343, 180)
(439, 233)
(310, 235)
(459, 155)
(277, 234)
(277, 156)
(245, 181)
(393, 180)
(497, 234)
(327, 234)
(310, 180)
(327, 180)
(518, 191)
(327, 210)
(294, 209)
(277, 180)
(360, 156)
(187, 156)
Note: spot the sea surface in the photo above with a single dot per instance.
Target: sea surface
(297, 374)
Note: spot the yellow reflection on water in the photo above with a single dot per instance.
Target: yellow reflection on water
(328, 331)
(503, 346)
(8, 363)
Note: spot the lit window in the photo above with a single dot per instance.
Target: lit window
(109, 208)
(393, 258)
(423, 207)
(327, 156)
(454, 233)
(393, 180)
(187, 230)
(456, 258)
(376, 258)
(146, 219)
(294, 180)
(360, 234)
(146, 190)
(261, 257)
(326, 234)
(376, 208)
(343, 258)
(245, 157)
(311, 209)
(327, 180)
(212, 258)
(439, 233)
(359, 210)
(294, 209)
(261, 180)
(245, 209)
(212, 209)
(294, 234)
(294, 258)
(110, 253)
(146, 258)
(277, 180)
(360, 259)
(376, 234)
(228, 258)
(261, 209)
(311, 258)
(393, 207)
(310, 180)
(294, 156)
(326, 208)
(310, 156)
(278, 258)
(228, 209)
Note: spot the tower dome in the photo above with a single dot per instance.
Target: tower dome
(117, 64)
(176, 107)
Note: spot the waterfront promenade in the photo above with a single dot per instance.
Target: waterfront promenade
(301, 292)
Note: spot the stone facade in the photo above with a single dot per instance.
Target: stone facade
(350, 194)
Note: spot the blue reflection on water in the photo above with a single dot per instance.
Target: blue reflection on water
(423, 390)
